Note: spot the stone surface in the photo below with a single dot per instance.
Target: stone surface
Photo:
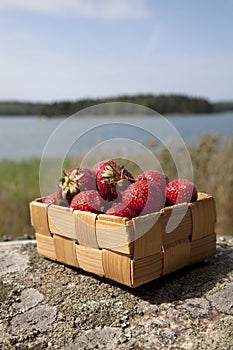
(28, 299)
(46, 305)
(101, 338)
(12, 261)
(38, 319)
(223, 299)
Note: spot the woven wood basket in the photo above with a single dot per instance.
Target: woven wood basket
(129, 251)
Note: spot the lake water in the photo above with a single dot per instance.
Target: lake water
(28, 137)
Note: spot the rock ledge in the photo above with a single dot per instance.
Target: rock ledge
(46, 305)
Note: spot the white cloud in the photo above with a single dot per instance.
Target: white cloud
(107, 9)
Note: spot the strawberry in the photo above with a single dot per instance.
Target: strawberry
(180, 191)
(112, 180)
(120, 209)
(55, 198)
(89, 200)
(98, 165)
(143, 197)
(76, 180)
(155, 177)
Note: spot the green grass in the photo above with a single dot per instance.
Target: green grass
(19, 185)
(213, 173)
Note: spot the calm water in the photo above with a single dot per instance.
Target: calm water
(26, 137)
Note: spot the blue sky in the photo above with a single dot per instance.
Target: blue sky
(72, 49)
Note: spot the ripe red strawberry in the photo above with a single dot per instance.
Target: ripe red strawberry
(180, 191)
(120, 209)
(88, 201)
(112, 180)
(55, 198)
(76, 180)
(155, 177)
(143, 197)
(98, 165)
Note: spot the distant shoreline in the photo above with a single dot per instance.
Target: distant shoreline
(166, 105)
(169, 115)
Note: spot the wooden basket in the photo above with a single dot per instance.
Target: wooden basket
(129, 251)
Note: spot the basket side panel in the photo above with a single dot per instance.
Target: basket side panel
(146, 269)
(148, 235)
(62, 221)
(202, 248)
(45, 246)
(115, 236)
(176, 223)
(90, 259)
(176, 255)
(65, 249)
(86, 228)
(117, 267)
(39, 217)
(203, 217)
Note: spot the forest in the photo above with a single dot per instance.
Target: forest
(164, 104)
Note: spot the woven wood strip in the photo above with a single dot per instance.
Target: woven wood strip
(85, 226)
(176, 255)
(39, 217)
(117, 267)
(146, 269)
(176, 223)
(45, 246)
(112, 218)
(115, 236)
(202, 248)
(148, 235)
(203, 216)
(90, 259)
(62, 221)
(65, 249)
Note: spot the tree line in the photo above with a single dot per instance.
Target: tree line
(164, 104)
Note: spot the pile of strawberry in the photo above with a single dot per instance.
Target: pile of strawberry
(110, 188)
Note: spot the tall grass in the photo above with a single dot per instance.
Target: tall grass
(213, 173)
(18, 186)
(212, 162)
